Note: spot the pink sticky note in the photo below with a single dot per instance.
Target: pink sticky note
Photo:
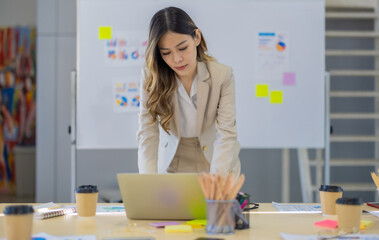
(289, 78)
(327, 223)
(163, 224)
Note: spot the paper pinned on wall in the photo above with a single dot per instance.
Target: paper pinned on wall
(261, 90)
(125, 49)
(273, 52)
(105, 32)
(289, 78)
(126, 96)
(276, 97)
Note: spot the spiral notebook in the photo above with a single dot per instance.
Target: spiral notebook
(54, 213)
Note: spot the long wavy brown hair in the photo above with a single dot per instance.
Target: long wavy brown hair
(160, 83)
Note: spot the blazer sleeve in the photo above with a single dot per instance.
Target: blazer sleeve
(147, 136)
(225, 146)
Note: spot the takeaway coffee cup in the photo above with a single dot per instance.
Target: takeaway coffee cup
(18, 222)
(349, 211)
(328, 196)
(86, 200)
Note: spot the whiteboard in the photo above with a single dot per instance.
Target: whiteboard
(275, 47)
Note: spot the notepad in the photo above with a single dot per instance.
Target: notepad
(178, 229)
(163, 224)
(46, 206)
(54, 213)
(327, 223)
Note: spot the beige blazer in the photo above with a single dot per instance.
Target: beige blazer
(216, 125)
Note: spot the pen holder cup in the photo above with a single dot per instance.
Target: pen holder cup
(220, 216)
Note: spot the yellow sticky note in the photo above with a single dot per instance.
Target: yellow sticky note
(178, 229)
(261, 90)
(276, 97)
(105, 32)
(196, 226)
(365, 224)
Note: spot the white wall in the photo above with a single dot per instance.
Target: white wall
(18, 12)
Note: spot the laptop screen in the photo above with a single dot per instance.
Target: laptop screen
(162, 196)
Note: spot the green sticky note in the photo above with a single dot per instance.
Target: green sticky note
(105, 32)
(261, 90)
(276, 97)
(198, 222)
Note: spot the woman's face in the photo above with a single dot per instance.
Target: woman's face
(179, 52)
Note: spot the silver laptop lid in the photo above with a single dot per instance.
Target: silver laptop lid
(162, 196)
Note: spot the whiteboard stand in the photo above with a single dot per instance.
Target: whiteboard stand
(318, 172)
(72, 132)
(285, 175)
(327, 130)
(303, 157)
(305, 174)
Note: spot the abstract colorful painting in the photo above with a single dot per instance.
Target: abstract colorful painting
(17, 98)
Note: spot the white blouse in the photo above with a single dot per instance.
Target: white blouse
(187, 109)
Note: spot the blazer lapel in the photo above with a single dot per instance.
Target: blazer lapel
(202, 94)
(176, 114)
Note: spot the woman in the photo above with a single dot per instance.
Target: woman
(187, 112)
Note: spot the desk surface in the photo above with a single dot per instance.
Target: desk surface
(265, 223)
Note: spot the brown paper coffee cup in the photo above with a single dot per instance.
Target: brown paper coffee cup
(349, 212)
(86, 200)
(18, 222)
(328, 196)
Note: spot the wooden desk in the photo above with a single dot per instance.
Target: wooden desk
(265, 223)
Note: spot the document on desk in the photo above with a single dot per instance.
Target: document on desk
(110, 209)
(375, 213)
(287, 236)
(106, 208)
(281, 207)
(45, 236)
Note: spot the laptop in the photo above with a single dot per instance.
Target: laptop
(162, 196)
